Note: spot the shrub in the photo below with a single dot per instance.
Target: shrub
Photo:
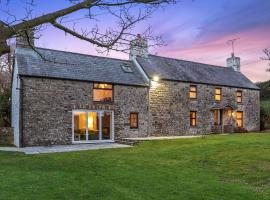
(265, 114)
(5, 108)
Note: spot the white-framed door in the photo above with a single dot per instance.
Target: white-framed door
(91, 126)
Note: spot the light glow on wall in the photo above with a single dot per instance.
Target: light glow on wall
(155, 78)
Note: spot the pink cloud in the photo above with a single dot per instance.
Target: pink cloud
(249, 48)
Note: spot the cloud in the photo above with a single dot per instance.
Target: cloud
(249, 48)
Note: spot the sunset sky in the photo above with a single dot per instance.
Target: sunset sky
(195, 30)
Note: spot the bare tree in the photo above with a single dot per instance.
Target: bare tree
(5, 88)
(5, 72)
(109, 39)
(267, 58)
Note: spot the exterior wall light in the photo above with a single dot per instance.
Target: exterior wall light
(156, 78)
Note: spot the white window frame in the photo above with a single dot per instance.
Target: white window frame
(99, 112)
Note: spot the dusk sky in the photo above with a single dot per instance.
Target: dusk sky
(194, 30)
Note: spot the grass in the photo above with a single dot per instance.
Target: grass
(216, 167)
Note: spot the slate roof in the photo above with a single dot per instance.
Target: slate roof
(74, 66)
(187, 71)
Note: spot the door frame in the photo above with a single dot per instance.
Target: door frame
(100, 126)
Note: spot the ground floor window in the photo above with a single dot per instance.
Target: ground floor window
(239, 118)
(134, 120)
(92, 125)
(217, 117)
(193, 118)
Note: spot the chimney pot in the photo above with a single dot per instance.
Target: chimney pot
(138, 47)
(234, 63)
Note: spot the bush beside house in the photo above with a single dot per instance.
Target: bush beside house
(5, 108)
(265, 104)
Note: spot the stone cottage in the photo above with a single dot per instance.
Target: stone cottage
(75, 98)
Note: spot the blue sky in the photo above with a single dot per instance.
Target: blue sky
(194, 30)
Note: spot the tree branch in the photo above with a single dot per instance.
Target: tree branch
(267, 58)
(8, 31)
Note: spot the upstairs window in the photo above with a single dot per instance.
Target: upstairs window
(239, 96)
(103, 92)
(239, 118)
(193, 118)
(134, 120)
(193, 92)
(218, 94)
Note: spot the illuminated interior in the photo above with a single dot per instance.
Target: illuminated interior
(93, 126)
(239, 96)
(217, 117)
(103, 92)
(193, 92)
(193, 118)
(239, 118)
(92, 123)
(218, 94)
(133, 120)
(102, 95)
(79, 126)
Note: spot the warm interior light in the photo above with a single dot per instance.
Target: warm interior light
(156, 78)
(90, 122)
(233, 114)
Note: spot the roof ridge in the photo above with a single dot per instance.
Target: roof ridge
(81, 54)
(210, 65)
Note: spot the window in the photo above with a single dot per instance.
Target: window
(193, 92)
(133, 120)
(216, 117)
(193, 118)
(218, 94)
(126, 68)
(103, 92)
(239, 96)
(239, 118)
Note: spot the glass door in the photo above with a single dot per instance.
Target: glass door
(106, 125)
(79, 126)
(91, 126)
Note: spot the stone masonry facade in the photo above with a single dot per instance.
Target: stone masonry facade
(170, 107)
(48, 105)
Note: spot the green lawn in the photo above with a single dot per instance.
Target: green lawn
(216, 167)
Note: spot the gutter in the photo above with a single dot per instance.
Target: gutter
(21, 142)
(133, 59)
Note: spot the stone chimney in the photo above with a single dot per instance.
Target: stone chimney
(234, 63)
(138, 47)
(25, 38)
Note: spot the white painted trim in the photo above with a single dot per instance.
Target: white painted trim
(133, 59)
(112, 124)
(100, 114)
(100, 126)
(15, 104)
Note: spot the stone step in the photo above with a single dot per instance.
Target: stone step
(127, 142)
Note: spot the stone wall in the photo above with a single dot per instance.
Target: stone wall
(170, 107)
(48, 105)
(6, 136)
